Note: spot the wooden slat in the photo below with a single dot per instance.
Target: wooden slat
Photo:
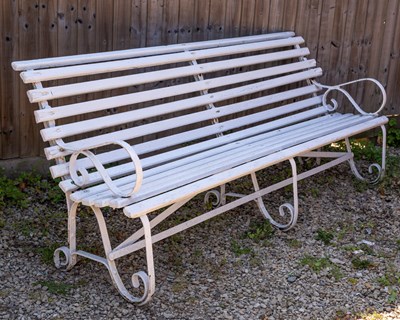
(279, 111)
(168, 180)
(132, 53)
(113, 66)
(212, 157)
(115, 102)
(28, 38)
(223, 95)
(78, 127)
(197, 187)
(192, 135)
(10, 94)
(38, 95)
(185, 155)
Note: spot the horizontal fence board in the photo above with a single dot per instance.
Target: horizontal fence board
(344, 48)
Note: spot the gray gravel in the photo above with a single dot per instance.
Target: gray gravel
(216, 270)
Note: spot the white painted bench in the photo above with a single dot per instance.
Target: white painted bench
(189, 118)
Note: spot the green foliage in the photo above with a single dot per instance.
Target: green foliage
(392, 295)
(10, 192)
(46, 253)
(32, 182)
(316, 264)
(360, 264)
(294, 243)
(260, 231)
(55, 287)
(393, 133)
(325, 236)
(238, 250)
(15, 192)
(362, 149)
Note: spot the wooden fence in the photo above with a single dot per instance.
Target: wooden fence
(349, 38)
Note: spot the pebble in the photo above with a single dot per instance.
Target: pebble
(270, 282)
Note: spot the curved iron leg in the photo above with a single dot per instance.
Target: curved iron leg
(379, 169)
(69, 253)
(292, 209)
(147, 279)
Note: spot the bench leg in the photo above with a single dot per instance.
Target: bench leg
(220, 196)
(69, 253)
(148, 279)
(286, 207)
(380, 169)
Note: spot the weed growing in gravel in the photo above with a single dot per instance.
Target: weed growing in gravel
(336, 272)
(238, 250)
(10, 192)
(316, 264)
(392, 295)
(325, 236)
(46, 253)
(360, 264)
(353, 281)
(294, 243)
(55, 287)
(260, 231)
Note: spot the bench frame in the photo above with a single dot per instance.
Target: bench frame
(220, 195)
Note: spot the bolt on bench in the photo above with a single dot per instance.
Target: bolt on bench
(150, 128)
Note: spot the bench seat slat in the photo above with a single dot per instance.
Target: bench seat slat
(179, 138)
(141, 52)
(204, 149)
(32, 76)
(190, 190)
(56, 92)
(174, 178)
(279, 111)
(223, 161)
(123, 169)
(139, 97)
(241, 150)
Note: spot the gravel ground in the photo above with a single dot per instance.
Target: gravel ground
(341, 261)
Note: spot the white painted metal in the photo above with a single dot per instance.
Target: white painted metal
(170, 178)
(120, 252)
(339, 88)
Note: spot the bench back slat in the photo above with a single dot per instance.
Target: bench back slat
(51, 93)
(142, 52)
(161, 93)
(32, 76)
(163, 98)
(63, 131)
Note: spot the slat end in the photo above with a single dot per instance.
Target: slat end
(16, 66)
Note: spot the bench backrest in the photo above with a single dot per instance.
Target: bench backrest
(163, 97)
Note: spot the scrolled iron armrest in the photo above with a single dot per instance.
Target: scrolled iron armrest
(349, 97)
(82, 178)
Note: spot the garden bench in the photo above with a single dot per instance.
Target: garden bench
(150, 128)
